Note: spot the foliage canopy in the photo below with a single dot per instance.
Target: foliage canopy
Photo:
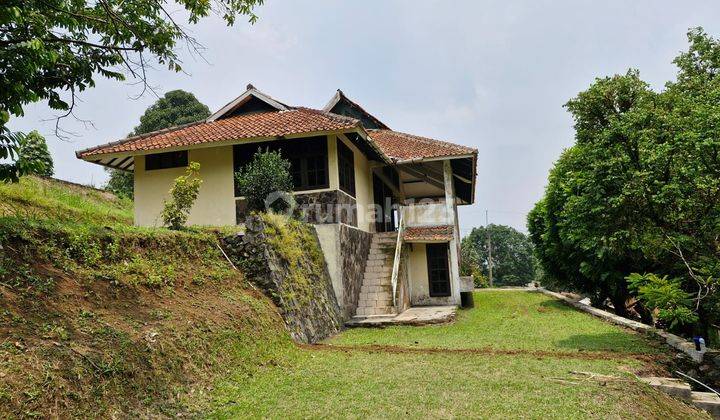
(51, 50)
(512, 255)
(639, 192)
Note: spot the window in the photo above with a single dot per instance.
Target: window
(166, 160)
(346, 168)
(308, 158)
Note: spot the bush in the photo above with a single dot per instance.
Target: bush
(665, 295)
(266, 177)
(183, 194)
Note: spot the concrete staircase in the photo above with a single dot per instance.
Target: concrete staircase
(376, 291)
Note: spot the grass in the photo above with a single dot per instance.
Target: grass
(99, 318)
(49, 199)
(102, 319)
(464, 369)
(509, 320)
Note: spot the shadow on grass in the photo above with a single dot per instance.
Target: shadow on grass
(619, 341)
(556, 305)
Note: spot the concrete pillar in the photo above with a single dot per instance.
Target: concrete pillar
(455, 242)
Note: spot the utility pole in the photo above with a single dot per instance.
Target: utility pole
(489, 248)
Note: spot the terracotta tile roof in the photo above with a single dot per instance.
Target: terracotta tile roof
(402, 146)
(263, 124)
(428, 233)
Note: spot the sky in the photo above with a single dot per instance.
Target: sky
(493, 75)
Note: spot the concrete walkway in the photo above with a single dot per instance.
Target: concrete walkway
(417, 315)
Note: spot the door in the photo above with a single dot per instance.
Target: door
(438, 269)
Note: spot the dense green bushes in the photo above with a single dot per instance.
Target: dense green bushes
(639, 192)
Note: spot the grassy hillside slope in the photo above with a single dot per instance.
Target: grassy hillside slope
(99, 318)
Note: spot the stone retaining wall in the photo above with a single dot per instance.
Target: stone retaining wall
(354, 248)
(287, 264)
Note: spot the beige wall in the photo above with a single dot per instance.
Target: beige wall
(215, 204)
(418, 279)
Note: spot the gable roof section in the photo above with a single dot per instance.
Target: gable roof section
(245, 126)
(250, 96)
(403, 147)
(341, 104)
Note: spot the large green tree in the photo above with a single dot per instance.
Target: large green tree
(639, 192)
(176, 107)
(512, 255)
(52, 49)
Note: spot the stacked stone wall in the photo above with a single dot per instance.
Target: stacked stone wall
(282, 257)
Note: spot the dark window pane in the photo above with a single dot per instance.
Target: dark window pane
(346, 168)
(308, 159)
(166, 160)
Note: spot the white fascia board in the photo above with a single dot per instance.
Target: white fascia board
(244, 97)
(333, 101)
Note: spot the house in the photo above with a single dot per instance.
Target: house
(384, 203)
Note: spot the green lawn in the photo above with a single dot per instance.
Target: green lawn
(460, 370)
(509, 320)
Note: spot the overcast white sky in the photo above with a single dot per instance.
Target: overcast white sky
(488, 74)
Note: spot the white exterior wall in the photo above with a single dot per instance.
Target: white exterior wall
(427, 214)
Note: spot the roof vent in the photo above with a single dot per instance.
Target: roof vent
(250, 86)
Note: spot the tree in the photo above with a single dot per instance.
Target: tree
(10, 150)
(176, 107)
(33, 154)
(183, 193)
(266, 182)
(121, 183)
(51, 50)
(639, 192)
(512, 254)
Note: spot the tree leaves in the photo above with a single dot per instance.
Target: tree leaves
(644, 172)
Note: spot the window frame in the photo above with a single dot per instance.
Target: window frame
(166, 160)
(346, 168)
(299, 151)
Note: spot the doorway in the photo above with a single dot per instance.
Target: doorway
(438, 269)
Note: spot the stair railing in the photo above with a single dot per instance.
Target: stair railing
(398, 250)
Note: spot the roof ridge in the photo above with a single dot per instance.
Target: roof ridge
(340, 95)
(329, 114)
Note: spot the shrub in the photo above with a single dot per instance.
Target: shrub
(266, 177)
(183, 194)
(666, 295)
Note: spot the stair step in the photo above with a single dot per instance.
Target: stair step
(374, 311)
(384, 281)
(379, 262)
(376, 275)
(385, 290)
(379, 269)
